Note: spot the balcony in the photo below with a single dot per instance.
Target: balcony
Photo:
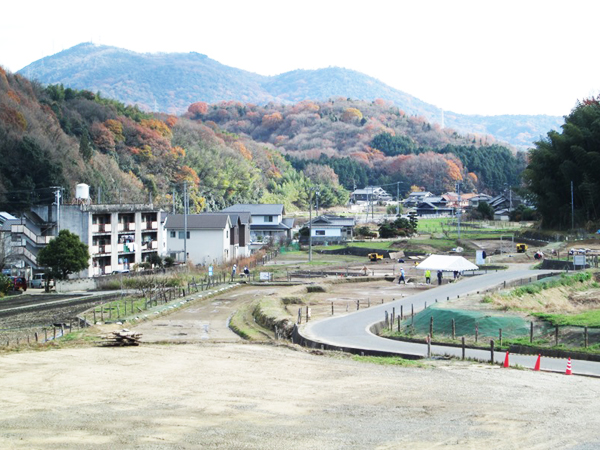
(150, 246)
(150, 226)
(101, 228)
(97, 271)
(101, 249)
(125, 227)
(126, 248)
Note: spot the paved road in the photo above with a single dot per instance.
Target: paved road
(352, 330)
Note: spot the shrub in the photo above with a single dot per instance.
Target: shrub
(315, 289)
(5, 284)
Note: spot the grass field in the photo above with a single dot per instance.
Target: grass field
(445, 225)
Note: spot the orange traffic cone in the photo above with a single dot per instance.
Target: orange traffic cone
(537, 364)
(569, 371)
(506, 359)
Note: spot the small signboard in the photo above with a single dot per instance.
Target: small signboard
(579, 260)
(265, 276)
(479, 260)
(210, 271)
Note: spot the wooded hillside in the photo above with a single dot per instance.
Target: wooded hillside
(564, 171)
(226, 153)
(52, 136)
(370, 143)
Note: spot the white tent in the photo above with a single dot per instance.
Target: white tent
(447, 263)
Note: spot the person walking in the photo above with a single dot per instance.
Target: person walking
(401, 279)
(233, 270)
(428, 276)
(439, 275)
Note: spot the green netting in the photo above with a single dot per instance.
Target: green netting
(290, 248)
(465, 322)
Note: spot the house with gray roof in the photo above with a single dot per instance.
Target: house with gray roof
(207, 241)
(329, 229)
(266, 222)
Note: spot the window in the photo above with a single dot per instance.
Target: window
(268, 218)
(173, 234)
(319, 232)
(181, 235)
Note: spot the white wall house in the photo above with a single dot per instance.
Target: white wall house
(208, 238)
(267, 222)
(330, 229)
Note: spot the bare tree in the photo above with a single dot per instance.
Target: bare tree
(7, 253)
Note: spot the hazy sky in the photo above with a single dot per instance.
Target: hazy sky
(470, 57)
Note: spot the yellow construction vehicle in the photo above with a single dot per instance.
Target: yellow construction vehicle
(521, 248)
(375, 257)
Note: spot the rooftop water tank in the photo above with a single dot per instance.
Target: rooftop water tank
(82, 192)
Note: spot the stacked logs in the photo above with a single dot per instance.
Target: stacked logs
(121, 338)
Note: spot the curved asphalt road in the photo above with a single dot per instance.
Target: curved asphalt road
(352, 330)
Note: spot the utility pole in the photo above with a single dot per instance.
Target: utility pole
(398, 198)
(185, 211)
(372, 205)
(458, 210)
(57, 195)
(317, 214)
(310, 228)
(572, 208)
(173, 199)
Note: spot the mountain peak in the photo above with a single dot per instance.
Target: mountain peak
(173, 81)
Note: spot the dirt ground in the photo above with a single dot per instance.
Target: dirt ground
(268, 397)
(195, 384)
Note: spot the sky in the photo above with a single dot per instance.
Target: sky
(484, 57)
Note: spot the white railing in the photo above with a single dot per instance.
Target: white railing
(149, 225)
(23, 229)
(24, 252)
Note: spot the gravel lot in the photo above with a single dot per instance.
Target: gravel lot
(268, 397)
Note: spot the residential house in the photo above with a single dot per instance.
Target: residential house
(508, 200)
(208, 239)
(266, 222)
(479, 198)
(370, 193)
(414, 198)
(434, 205)
(452, 199)
(240, 234)
(330, 229)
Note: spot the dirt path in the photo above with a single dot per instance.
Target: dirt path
(204, 320)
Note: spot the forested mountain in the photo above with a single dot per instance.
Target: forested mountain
(52, 136)
(169, 82)
(229, 152)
